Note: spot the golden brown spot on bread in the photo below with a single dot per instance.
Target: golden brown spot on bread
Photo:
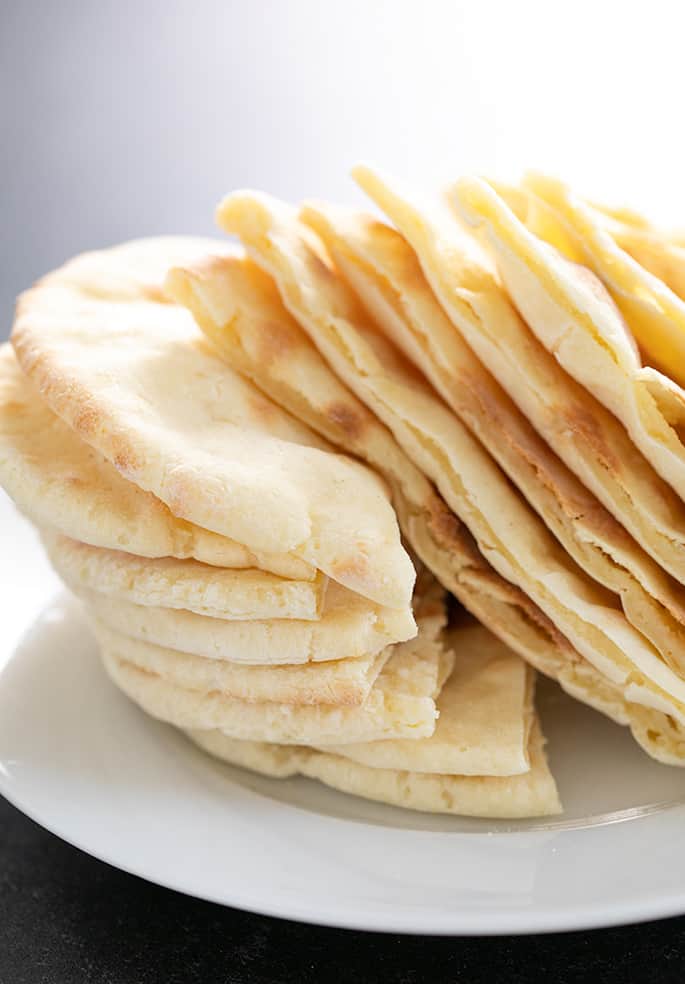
(582, 423)
(347, 418)
(445, 527)
(355, 567)
(126, 460)
(87, 421)
(318, 267)
(275, 340)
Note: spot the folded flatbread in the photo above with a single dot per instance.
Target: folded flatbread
(166, 582)
(59, 481)
(134, 378)
(508, 533)
(486, 714)
(530, 794)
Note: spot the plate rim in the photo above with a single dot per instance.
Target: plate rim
(491, 922)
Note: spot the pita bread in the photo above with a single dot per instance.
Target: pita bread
(509, 534)
(383, 268)
(350, 625)
(486, 712)
(574, 317)
(58, 481)
(531, 794)
(213, 591)
(134, 378)
(400, 704)
(238, 307)
(345, 681)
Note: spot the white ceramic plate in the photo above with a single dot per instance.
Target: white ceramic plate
(81, 760)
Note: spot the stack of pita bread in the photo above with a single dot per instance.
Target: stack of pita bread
(238, 456)
(245, 580)
(564, 499)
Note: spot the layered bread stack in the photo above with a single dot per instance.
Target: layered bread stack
(239, 455)
(552, 496)
(244, 580)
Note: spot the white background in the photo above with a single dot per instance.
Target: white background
(121, 118)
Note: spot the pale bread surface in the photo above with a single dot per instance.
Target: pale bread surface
(57, 480)
(135, 379)
(401, 702)
(216, 592)
(350, 625)
(343, 681)
(486, 712)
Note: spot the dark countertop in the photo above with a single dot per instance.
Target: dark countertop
(68, 919)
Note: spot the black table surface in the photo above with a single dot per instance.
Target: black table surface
(66, 918)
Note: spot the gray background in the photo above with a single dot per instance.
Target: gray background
(120, 119)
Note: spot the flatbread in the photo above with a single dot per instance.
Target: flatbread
(136, 381)
(508, 533)
(238, 307)
(574, 317)
(350, 625)
(486, 712)
(383, 268)
(401, 702)
(187, 584)
(58, 481)
(531, 794)
(342, 682)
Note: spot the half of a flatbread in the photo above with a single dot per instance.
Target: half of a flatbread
(136, 380)
(346, 681)
(166, 582)
(60, 482)
(486, 713)
(349, 625)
